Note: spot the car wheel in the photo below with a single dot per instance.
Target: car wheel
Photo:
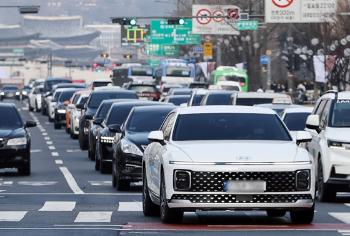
(72, 135)
(30, 108)
(25, 169)
(325, 192)
(305, 216)
(67, 130)
(168, 215)
(82, 140)
(104, 167)
(276, 213)
(149, 208)
(43, 110)
(120, 184)
(97, 161)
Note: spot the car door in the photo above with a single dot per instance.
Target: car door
(155, 158)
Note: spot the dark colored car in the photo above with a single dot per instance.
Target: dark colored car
(14, 139)
(94, 101)
(128, 152)
(179, 91)
(219, 97)
(97, 123)
(9, 91)
(112, 123)
(145, 91)
(61, 106)
(48, 91)
(177, 100)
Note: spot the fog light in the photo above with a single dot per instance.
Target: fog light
(182, 180)
(303, 180)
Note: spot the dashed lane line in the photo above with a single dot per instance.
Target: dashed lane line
(71, 181)
(55, 154)
(130, 206)
(59, 162)
(12, 216)
(52, 147)
(49, 142)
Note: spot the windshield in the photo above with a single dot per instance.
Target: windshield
(197, 100)
(230, 126)
(146, 121)
(56, 95)
(340, 114)
(66, 96)
(103, 109)
(252, 101)
(141, 71)
(82, 100)
(10, 119)
(219, 99)
(296, 121)
(10, 88)
(118, 115)
(178, 71)
(143, 89)
(97, 98)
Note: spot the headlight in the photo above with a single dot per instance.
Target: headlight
(338, 145)
(128, 147)
(17, 141)
(2, 93)
(18, 93)
(24, 93)
(61, 111)
(106, 139)
(182, 180)
(302, 180)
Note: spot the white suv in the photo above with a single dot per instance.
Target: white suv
(227, 158)
(329, 125)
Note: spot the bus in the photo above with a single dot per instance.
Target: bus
(231, 73)
(132, 72)
(175, 71)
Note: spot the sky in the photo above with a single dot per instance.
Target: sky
(99, 14)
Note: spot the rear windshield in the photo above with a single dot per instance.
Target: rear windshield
(252, 101)
(219, 99)
(97, 98)
(230, 126)
(296, 121)
(10, 118)
(143, 89)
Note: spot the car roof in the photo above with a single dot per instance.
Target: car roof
(7, 105)
(224, 109)
(137, 102)
(154, 108)
(178, 96)
(116, 90)
(341, 95)
(299, 110)
(108, 101)
(261, 95)
(200, 91)
(278, 105)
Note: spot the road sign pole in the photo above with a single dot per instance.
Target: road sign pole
(269, 74)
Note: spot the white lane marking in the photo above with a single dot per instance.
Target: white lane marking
(47, 138)
(71, 181)
(37, 183)
(59, 162)
(49, 142)
(73, 150)
(58, 206)
(14, 216)
(55, 154)
(52, 147)
(6, 183)
(47, 123)
(342, 216)
(35, 150)
(130, 206)
(100, 183)
(43, 130)
(94, 217)
(44, 134)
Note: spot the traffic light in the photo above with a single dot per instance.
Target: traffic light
(176, 21)
(124, 21)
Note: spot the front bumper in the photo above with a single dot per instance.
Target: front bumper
(60, 118)
(13, 156)
(131, 166)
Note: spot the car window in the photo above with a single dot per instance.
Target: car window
(218, 99)
(167, 126)
(97, 98)
(340, 116)
(146, 121)
(320, 107)
(325, 114)
(10, 119)
(230, 126)
(296, 121)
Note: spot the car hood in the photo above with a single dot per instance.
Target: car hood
(241, 151)
(139, 139)
(4, 133)
(338, 134)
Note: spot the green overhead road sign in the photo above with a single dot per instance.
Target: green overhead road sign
(165, 34)
(247, 25)
(161, 50)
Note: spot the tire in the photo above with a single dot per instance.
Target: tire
(57, 125)
(120, 184)
(305, 216)
(43, 109)
(149, 208)
(104, 168)
(82, 140)
(168, 215)
(72, 135)
(325, 192)
(25, 169)
(67, 130)
(30, 108)
(97, 161)
(50, 119)
(276, 213)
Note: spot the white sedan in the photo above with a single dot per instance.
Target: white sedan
(227, 158)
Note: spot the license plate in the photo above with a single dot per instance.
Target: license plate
(245, 186)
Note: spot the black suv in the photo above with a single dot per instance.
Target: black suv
(14, 139)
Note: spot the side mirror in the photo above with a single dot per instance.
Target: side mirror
(313, 122)
(115, 128)
(156, 136)
(98, 121)
(79, 106)
(303, 137)
(30, 124)
(89, 117)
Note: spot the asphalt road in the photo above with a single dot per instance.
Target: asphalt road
(65, 195)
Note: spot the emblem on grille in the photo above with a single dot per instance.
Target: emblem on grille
(242, 158)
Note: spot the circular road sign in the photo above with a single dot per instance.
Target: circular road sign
(282, 3)
(203, 16)
(218, 16)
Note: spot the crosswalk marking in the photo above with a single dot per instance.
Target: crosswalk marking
(342, 216)
(58, 206)
(14, 216)
(130, 206)
(94, 217)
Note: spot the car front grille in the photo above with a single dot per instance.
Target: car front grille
(232, 198)
(214, 181)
